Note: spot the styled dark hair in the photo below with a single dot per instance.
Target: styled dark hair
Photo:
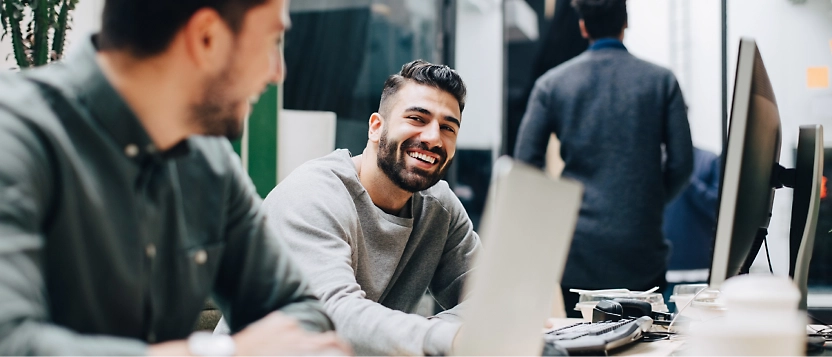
(146, 27)
(425, 73)
(603, 18)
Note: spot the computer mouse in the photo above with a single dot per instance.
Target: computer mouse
(607, 310)
(814, 344)
(552, 349)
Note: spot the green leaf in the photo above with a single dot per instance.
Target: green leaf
(60, 29)
(13, 12)
(40, 42)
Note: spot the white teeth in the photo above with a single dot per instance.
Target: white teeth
(422, 157)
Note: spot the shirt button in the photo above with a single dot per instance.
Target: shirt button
(151, 337)
(150, 250)
(200, 257)
(131, 150)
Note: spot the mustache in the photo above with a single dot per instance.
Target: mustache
(414, 144)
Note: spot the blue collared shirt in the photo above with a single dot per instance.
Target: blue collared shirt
(607, 42)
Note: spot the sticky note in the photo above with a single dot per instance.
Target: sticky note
(830, 45)
(817, 77)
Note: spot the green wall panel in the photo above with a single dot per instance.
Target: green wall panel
(262, 142)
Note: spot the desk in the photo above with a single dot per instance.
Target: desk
(658, 348)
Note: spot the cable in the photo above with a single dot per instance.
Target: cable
(770, 269)
(826, 331)
(680, 310)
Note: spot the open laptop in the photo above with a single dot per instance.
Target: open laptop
(526, 234)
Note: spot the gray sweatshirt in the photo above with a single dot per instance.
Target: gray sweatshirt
(371, 268)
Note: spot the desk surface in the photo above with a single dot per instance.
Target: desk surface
(657, 348)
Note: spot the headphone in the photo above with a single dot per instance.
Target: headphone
(619, 308)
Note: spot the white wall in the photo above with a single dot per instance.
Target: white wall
(791, 37)
(684, 35)
(86, 20)
(479, 60)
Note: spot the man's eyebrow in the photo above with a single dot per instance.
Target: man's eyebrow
(453, 120)
(418, 109)
(427, 112)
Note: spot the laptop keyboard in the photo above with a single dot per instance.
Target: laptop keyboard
(598, 336)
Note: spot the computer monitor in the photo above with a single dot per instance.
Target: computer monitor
(808, 176)
(746, 191)
(751, 172)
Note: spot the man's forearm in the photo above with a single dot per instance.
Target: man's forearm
(40, 338)
(310, 314)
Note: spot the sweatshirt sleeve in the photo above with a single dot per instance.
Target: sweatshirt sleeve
(317, 220)
(460, 247)
(678, 145)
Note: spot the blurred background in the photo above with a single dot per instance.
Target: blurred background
(339, 52)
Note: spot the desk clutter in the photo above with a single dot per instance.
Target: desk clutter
(590, 298)
(754, 314)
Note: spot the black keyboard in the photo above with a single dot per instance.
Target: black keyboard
(587, 337)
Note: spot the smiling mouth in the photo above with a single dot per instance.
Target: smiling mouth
(422, 157)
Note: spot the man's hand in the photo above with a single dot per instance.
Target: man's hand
(278, 334)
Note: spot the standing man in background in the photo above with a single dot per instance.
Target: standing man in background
(123, 206)
(624, 134)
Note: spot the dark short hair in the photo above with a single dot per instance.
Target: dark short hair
(146, 27)
(603, 18)
(424, 73)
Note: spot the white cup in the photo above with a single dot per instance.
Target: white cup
(761, 319)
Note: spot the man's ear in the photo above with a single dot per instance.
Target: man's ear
(207, 39)
(376, 123)
(584, 32)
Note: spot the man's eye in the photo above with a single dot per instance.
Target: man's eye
(448, 128)
(417, 119)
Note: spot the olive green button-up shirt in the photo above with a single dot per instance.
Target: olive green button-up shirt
(107, 244)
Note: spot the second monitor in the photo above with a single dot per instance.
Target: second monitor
(751, 172)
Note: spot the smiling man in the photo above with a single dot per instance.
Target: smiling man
(375, 231)
(122, 204)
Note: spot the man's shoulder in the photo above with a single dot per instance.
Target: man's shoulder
(570, 68)
(335, 166)
(649, 68)
(26, 111)
(329, 176)
(23, 99)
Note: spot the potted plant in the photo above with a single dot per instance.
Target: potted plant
(37, 29)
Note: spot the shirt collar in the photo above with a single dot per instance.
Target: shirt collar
(607, 42)
(107, 107)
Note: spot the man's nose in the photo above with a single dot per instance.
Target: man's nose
(431, 135)
(278, 69)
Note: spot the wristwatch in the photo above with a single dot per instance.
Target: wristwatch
(202, 343)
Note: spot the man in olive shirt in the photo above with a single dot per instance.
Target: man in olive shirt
(122, 207)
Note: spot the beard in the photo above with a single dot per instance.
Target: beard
(391, 160)
(216, 113)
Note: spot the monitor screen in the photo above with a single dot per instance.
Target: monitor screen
(753, 150)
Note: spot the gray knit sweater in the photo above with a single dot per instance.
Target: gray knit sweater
(371, 268)
(616, 117)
